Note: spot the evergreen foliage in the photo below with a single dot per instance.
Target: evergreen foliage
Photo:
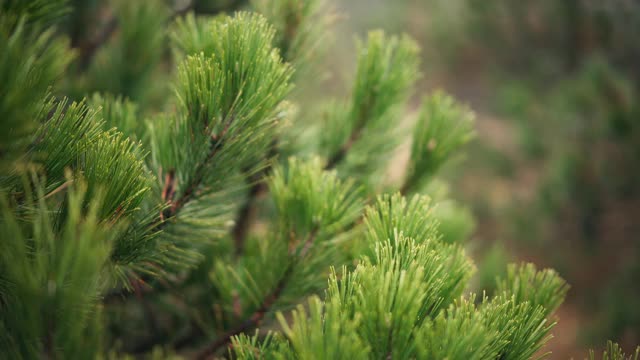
(564, 81)
(119, 213)
(31, 62)
(357, 135)
(443, 126)
(52, 274)
(126, 64)
(614, 352)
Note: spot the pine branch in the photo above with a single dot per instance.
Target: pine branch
(190, 190)
(257, 316)
(363, 125)
(360, 123)
(247, 214)
(89, 48)
(443, 127)
(172, 209)
(297, 23)
(225, 123)
(29, 66)
(361, 113)
(204, 101)
(343, 151)
(191, 6)
(182, 11)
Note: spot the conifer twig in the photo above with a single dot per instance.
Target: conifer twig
(246, 215)
(175, 206)
(89, 49)
(257, 316)
(342, 153)
(336, 158)
(183, 10)
(405, 188)
(190, 190)
(248, 211)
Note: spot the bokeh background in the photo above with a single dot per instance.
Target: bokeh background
(553, 175)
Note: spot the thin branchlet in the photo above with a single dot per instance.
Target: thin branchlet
(258, 315)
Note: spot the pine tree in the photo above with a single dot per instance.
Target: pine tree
(139, 220)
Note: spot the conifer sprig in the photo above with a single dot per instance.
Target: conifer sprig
(106, 161)
(386, 298)
(443, 127)
(522, 327)
(31, 62)
(386, 72)
(124, 55)
(51, 267)
(95, 154)
(402, 302)
(301, 29)
(120, 113)
(228, 94)
(314, 209)
(457, 333)
(540, 288)
(613, 351)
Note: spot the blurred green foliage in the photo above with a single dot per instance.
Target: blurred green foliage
(565, 83)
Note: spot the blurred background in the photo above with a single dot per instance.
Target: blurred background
(553, 175)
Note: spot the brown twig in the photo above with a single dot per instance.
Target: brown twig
(88, 49)
(344, 149)
(257, 316)
(174, 207)
(168, 191)
(406, 187)
(248, 211)
(246, 215)
(182, 11)
(363, 116)
(194, 184)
